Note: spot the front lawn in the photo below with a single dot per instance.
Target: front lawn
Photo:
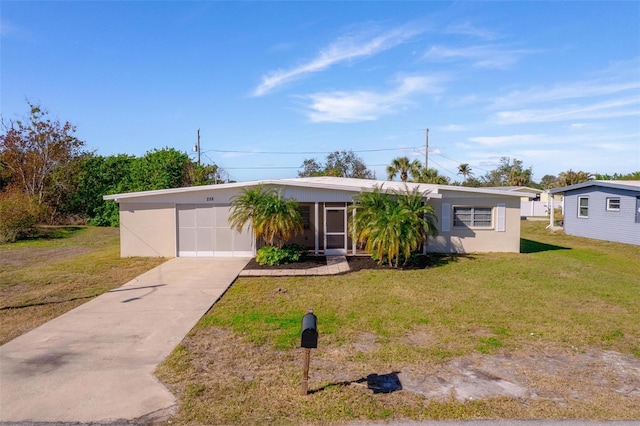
(552, 332)
(59, 269)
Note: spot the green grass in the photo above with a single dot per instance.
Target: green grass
(59, 269)
(561, 292)
(578, 296)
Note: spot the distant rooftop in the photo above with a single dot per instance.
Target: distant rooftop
(633, 185)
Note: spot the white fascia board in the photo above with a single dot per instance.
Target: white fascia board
(325, 182)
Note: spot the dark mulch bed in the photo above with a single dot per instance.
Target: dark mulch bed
(307, 263)
(423, 261)
(356, 263)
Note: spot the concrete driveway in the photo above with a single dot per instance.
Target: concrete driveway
(96, 362)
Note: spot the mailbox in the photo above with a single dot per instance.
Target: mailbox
(309, 331)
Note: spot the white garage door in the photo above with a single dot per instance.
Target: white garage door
(204, 231)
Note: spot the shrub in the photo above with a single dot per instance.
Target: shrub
(272, 255)
(18, 217)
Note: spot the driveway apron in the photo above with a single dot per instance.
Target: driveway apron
(96, 362)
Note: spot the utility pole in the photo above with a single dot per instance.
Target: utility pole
(426, 150)
(197, 147)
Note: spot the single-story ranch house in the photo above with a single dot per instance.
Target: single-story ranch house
(603, 210)
(193, 221)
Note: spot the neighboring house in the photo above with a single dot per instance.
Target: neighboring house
(194, 221)
(535, 204)
(603, 209)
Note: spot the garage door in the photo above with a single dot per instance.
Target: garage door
(204, 231)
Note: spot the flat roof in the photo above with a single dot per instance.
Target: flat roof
(325, 182)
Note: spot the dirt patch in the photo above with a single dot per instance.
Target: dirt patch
(548, 373)
(534, 382)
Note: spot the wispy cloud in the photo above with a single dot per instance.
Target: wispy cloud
(507, 140)
(343, 49)
(481, 56)
(624, 107)
(349, 107)
(565, 91)
(610, 93)
(467, 28)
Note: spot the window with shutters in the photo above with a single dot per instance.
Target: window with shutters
(472, 217)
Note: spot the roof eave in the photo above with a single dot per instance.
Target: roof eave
(604, 184)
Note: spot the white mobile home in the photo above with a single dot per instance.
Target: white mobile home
(194, 221)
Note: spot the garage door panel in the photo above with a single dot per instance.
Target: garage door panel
(187, 216)
(204, 217)
(187, 242)
(224, 239)
(222, 216)
(204, 231)
(243, 240)
(205, 241)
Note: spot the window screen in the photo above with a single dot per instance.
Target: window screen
(583, 207)
(472, 217)
(613, 204)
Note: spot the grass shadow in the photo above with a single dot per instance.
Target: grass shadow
(54, 302)
(55, 232)
(530, 246)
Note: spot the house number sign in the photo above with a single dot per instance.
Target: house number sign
(210, 198)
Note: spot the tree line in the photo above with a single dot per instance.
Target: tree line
(509, 172)
(48, 176)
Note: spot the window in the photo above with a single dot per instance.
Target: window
(305, 211)
(583, 207)
(472, 217)
(613, 204)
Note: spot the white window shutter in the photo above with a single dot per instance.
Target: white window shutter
(502, 218)
(446, 217)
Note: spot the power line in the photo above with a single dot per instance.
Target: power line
(443, 168)
(460, 162)
(308, 152)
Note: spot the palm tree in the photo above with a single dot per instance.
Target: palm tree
(465, 170)
(245, 207)
(392, 225)
(404, 166)
(271, 217)
(571, 178)
(279, 219)
(431, 176)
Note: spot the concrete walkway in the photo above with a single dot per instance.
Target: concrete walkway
(335, 265)
(96, 362)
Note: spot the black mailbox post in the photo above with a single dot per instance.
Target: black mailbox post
(309, 341)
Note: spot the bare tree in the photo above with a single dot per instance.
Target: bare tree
(32, 151)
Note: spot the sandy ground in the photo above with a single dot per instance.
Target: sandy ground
(606, 381)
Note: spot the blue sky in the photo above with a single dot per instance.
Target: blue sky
(554, 84)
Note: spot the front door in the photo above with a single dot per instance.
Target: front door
(335, 231)
(637, 209)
